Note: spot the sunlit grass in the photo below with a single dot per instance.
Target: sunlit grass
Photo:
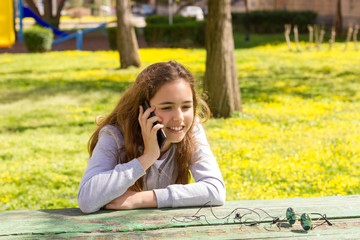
(298, 136)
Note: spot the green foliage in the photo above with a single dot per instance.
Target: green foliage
(273, 21)
(182, 34)
(111, 34)
(38, 39)
(185, 32)
(159, 19)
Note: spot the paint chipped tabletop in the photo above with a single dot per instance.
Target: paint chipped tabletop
(246, 219)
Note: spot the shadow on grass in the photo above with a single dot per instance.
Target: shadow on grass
(55, 70)
(25, 71)
(269, 94)
(33, 90)
(20, 129)
(253, 88)
(267, 90)
(256, 40)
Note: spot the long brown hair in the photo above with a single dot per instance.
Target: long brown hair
(125, 116)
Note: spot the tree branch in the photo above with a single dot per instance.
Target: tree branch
(33, 7)
(59, 9)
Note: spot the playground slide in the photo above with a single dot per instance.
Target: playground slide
(29, 13)
(7, 34)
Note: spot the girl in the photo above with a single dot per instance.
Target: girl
(128, 170)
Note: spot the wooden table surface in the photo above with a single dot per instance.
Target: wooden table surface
(342, 211)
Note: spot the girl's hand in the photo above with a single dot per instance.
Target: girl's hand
(132, 200)
(148, 132)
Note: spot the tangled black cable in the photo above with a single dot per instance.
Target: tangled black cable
(238, 217)
(248, 219)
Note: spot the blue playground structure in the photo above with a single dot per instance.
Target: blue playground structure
(62, 35)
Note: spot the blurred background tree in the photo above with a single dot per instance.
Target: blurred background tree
(126, 39)
(49, 9)
(338, 19)
(220, 81)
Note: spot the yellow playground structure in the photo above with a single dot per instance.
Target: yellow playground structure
(7, 31)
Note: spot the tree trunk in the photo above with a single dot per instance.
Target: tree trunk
(338, 20)
(58, 10)
(48, 11)
(126, 38)
(220, 82)
(247, 22)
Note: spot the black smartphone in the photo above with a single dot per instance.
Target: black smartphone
(161, 137)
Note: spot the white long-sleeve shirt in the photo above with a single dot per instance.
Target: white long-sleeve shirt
(106, 178)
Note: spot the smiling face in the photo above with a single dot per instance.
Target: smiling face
(174, 105)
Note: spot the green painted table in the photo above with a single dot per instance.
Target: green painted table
(342, 211)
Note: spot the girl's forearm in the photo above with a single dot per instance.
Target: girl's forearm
(133, 200)
(146, 161)
(145, 199)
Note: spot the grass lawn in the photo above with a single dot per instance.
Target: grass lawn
(299, 134)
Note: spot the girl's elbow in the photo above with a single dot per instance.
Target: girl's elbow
(221, 198)
(85, 210)
(85, 206)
